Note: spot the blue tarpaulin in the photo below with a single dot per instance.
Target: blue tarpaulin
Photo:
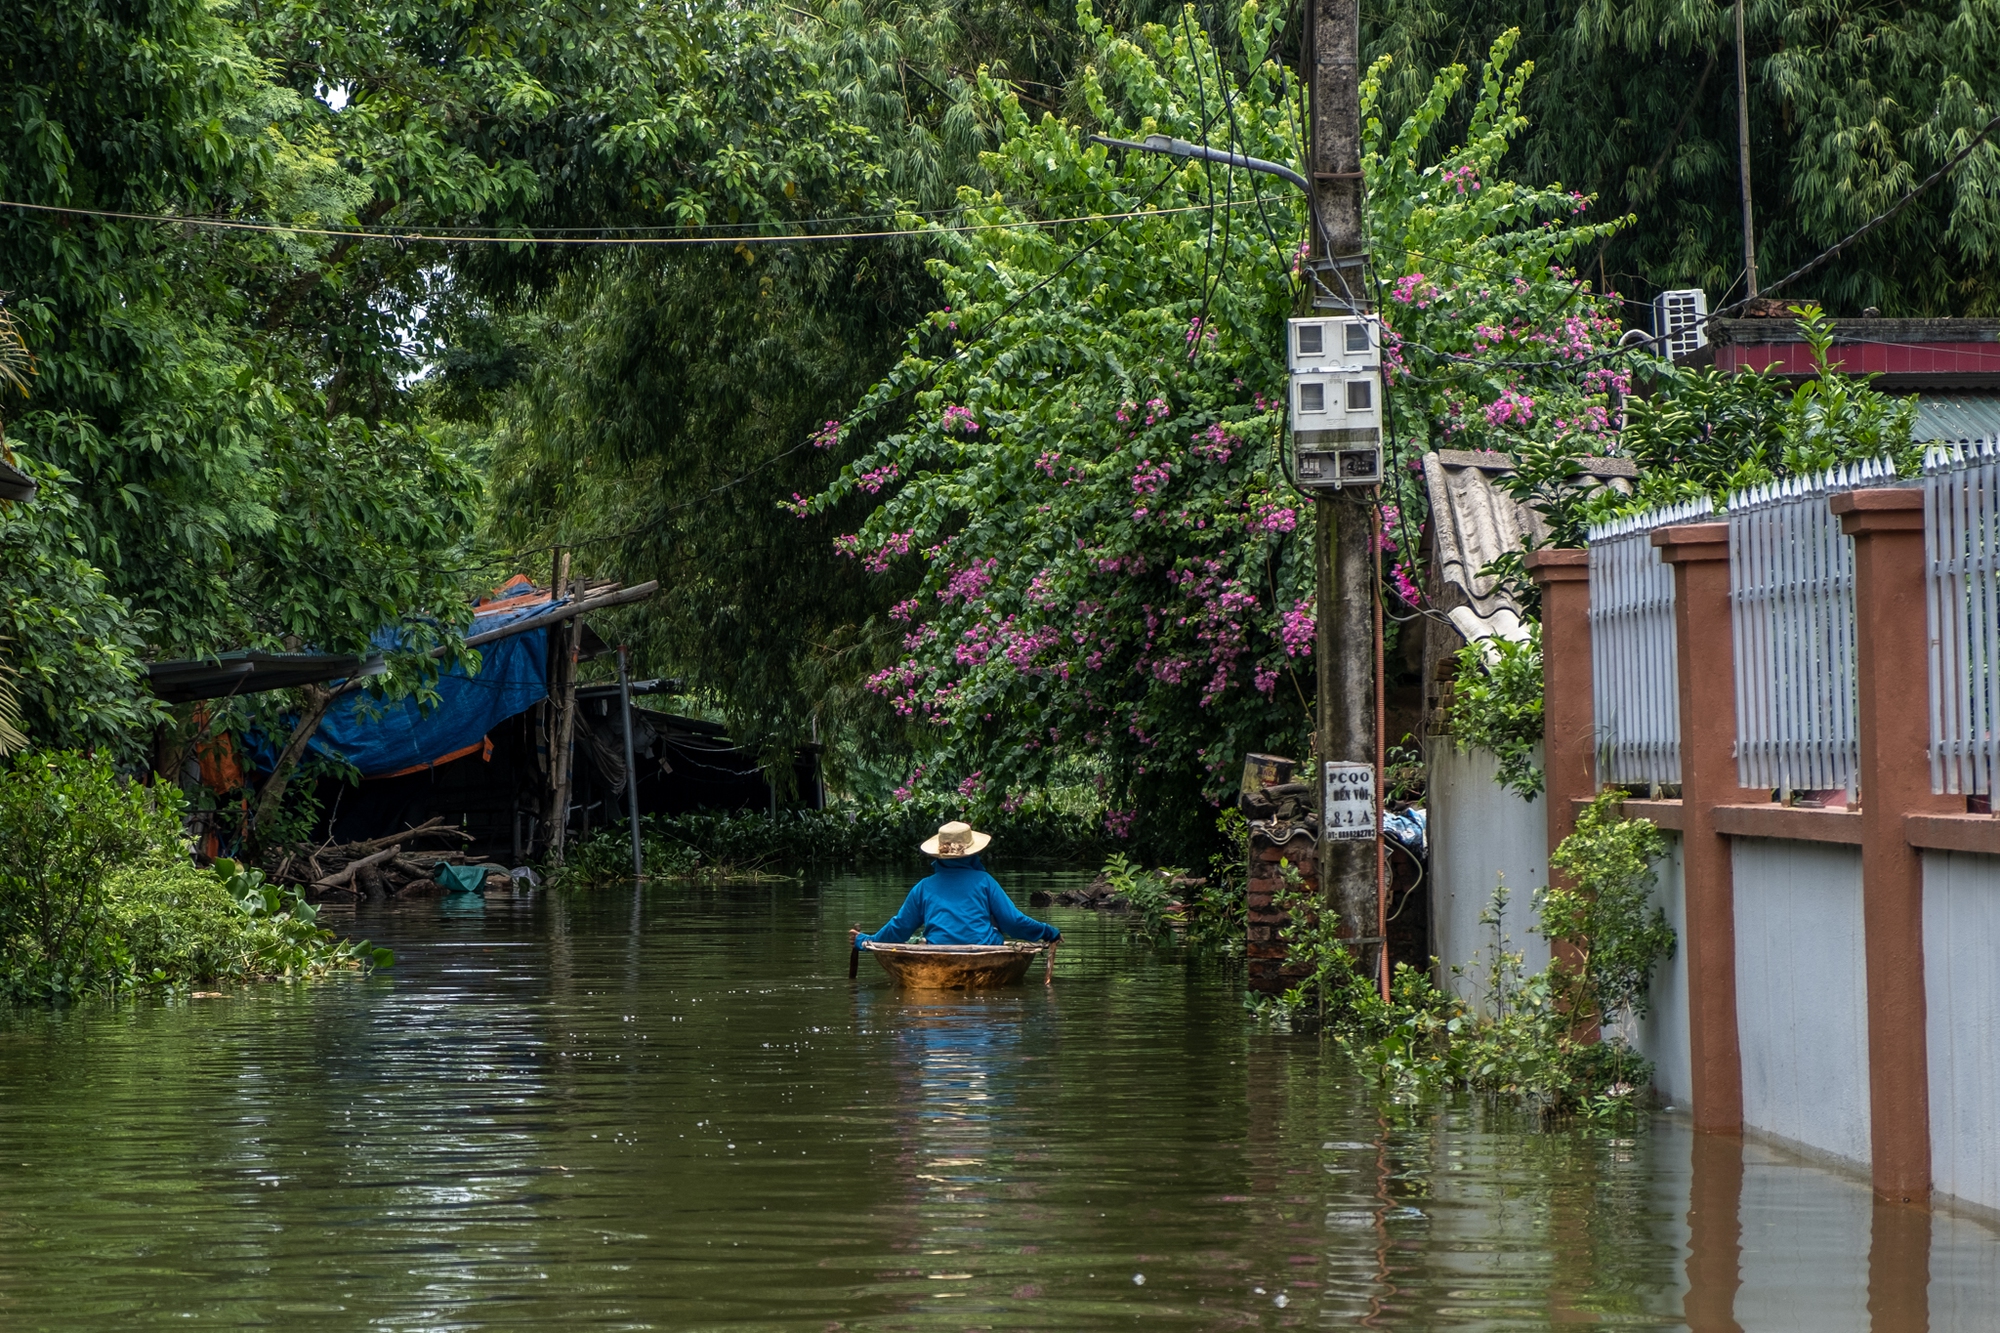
(513, 677)
(381, 740)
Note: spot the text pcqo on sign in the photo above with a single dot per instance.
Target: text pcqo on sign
(1348, 803)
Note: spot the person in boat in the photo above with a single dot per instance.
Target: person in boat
(958, 902)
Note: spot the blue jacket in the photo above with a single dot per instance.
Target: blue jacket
(959, 903)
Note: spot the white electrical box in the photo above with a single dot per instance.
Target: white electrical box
(1335, 342)
(1680, 322)
(1337, 428)
(1332, 466)
(1336, 400)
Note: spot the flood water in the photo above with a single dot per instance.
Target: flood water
(670, 1109)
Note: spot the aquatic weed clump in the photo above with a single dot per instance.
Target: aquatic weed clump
(754, 844)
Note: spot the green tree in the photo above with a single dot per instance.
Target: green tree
(1852, 102)
(1112, 572)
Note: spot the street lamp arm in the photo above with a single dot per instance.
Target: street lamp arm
(1160, 143)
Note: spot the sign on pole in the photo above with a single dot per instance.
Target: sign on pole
(1347, 807)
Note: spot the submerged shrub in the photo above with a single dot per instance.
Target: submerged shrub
(1537, 1037)
(97, 894)
(65, 821)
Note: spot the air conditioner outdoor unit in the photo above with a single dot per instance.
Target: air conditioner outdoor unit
(1337, 428)
(1679, 322)
(1335, 342)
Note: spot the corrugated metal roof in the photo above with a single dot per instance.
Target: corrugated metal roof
(1475, 521)
(1959, 418)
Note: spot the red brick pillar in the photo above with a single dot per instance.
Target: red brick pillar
(1706, 664)
(1264, 951)
(1895, 780)
(1569, 741)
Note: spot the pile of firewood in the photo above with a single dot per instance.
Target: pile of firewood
(379, 866)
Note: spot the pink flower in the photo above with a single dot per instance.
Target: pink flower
(1273, 515)
(1150, 478)
(1407, 287)
(1298, 628)
(1118, 823)
(797, 506)
(1265, 677)
(961, 419)
(969, 786)
(1510, 406)
(1214, 444)
(968, 585)
(826, 436)
(872, 482)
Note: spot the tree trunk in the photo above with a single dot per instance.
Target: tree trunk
(318, 700)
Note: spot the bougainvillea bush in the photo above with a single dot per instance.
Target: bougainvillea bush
(1115, 572)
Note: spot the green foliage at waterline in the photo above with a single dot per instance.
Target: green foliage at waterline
(748, 844)
(1546, 1039)
(97, 895)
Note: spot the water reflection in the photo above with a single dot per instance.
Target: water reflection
(669, 1108)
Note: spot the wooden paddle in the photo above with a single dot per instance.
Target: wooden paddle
(1049, 969)
(853, 956)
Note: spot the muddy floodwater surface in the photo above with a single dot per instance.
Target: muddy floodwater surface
(668, 1108)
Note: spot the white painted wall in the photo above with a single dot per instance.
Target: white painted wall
(1662, 1035)
(1801, 994)
(1482, 834)
(1962, 994)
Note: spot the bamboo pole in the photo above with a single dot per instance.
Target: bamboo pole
(562, 726)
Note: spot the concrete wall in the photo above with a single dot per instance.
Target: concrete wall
(1962, 997)
(1801, 994)
(1482, 835)
(1662, 1035)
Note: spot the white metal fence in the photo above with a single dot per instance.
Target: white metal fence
(1634, 676)
(1791, 589)
(1962, 546)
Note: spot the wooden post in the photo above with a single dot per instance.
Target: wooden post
(1887, 525)
(631, 768)
(562, 726)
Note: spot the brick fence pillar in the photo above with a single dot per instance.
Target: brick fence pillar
(1891, 634)
(1269, 973)
(1569, 742)
(1705, 661)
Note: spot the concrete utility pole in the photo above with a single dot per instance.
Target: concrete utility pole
(1343, 560)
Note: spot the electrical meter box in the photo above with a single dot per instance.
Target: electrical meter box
(1337, 428)
(1335, 342)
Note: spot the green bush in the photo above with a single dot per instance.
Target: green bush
(96, 893)
(65, 821)
(176, 922)
(1496, 704)
(1169, 906)
(1535, 1040)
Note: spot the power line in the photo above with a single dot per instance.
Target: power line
(407, 236)
(1872, 223)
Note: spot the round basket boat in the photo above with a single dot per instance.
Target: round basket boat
(954, 966)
